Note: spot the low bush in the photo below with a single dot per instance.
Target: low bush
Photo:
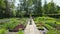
(3, 31)
(53, 32)
(41, 28)
(52, 24)
(48, 27)
(21, 32)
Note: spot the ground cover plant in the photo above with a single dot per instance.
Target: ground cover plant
(3, 31)
(49, 23)
(13, 23)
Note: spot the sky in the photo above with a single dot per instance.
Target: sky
(57, 2)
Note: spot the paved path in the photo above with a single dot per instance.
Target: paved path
(12, 33)
(4, 20)
(31, 28)
(44, 31)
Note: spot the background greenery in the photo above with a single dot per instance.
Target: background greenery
(49, 23)
(42, 14)
(33, 7)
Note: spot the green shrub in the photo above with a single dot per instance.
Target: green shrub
(41, 28)
(3, 31)
(13, 23)
(53, 32)
(52, 24)
(49, 27)
(21, 32)
(49, 23)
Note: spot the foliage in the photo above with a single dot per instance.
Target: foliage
(20, 32)
(40, 28)
(49, 23)
(53, 32)
(13, 23)
(2, 31)
(34, 7)
(49, 27)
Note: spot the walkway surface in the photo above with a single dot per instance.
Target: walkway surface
(4, 20)
(12, 32)
(31, 28)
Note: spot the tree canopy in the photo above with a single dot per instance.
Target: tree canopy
(27, 7)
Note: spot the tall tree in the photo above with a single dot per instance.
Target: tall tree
(2, 8)
(52, 8)
(21, 7)
(45, 10)
(7, 9)
(12, 8)
(37, 8)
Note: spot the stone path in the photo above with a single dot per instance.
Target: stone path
(31, 29)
